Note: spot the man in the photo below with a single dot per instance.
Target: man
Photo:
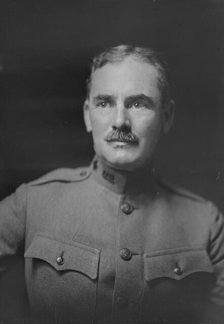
(112, 243)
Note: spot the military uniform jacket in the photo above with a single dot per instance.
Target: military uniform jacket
(101, 246)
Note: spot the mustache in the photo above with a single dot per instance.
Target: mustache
(121, 136)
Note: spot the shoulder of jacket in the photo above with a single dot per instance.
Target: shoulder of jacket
(177, 190)
(63, 175)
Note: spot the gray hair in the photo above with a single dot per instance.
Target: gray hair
(118, 53)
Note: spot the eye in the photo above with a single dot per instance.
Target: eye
(102, 104)
(138, 104)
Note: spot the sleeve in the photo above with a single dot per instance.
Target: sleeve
(12, 223)
(13, 302)
(215, 311)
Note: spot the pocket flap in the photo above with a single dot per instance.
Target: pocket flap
(176, 264)
(65, 255)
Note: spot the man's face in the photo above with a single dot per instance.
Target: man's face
(125, 114)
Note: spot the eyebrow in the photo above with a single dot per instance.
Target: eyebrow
(103, 97)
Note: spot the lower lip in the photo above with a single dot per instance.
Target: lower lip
(118, 144)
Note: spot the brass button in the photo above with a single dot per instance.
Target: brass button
(60, 260)
(125, 254)
(178, 271)
(127, 208)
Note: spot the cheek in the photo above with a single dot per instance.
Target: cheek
(149, 129)
(99, 127)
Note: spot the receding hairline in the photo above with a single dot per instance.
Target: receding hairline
(118, 54)
(123, 60)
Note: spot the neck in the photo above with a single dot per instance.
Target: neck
(121, 181)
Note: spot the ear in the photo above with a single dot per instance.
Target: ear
(87, 116)
(168, 115)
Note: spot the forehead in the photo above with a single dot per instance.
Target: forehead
(128, 77)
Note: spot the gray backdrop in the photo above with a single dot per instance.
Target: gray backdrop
(45, 51)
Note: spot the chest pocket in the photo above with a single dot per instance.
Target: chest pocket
(176, 264)
(62, 278)
(63, 256)
(175, 281)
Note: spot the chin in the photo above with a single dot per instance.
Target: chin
(121, 159)
(127, 164)
(121, 163)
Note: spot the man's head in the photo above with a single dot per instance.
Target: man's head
(127, 105)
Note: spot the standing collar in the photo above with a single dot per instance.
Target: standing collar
(123, 182)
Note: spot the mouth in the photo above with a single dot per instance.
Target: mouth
(121, 143)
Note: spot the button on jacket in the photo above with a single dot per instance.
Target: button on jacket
(108, 247)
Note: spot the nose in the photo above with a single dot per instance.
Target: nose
(121, 117)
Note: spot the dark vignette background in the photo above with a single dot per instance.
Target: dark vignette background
(45, 49)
